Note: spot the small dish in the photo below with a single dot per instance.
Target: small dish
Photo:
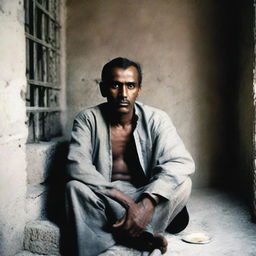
(196, 238)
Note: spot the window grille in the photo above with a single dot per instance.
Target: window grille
(42, 31)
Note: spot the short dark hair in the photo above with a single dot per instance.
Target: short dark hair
(119, 63)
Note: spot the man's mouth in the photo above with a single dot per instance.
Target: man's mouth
(123, 103)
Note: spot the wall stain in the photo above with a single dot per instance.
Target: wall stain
(1, 9)
(97, 81)
(20, 17)
(159, 79)
(7, 84)
(23, 95)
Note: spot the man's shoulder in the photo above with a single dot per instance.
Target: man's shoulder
(150, 112)
(91, 112)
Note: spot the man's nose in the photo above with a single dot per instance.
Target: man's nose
(123, 91)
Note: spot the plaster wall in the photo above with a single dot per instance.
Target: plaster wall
(13, 132)
(185, 48)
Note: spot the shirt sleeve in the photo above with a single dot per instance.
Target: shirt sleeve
(173, 164)
(80, 160)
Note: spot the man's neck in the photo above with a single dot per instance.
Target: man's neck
(120, 119)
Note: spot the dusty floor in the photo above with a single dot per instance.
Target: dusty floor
(225, 218)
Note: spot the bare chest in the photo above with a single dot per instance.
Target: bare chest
(126, 164)
(120, 139)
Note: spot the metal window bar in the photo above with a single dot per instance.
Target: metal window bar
(42, 68)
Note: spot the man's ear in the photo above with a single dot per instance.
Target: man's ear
(103, 90)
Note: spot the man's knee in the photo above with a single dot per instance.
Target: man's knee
(80, 196)
(74, 185)
(181, 193)
(187, 187)
(80, 189)
(180, 217)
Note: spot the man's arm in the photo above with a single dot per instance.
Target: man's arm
(79, 161)
(173, 164)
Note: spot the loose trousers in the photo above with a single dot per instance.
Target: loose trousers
(90, 214)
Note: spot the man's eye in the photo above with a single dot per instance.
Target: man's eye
(131, 86)
(115, 86)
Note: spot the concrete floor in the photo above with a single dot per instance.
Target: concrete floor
(225, 218)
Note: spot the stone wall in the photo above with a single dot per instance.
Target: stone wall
(13, 131)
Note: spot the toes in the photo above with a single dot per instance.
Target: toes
(161, 243)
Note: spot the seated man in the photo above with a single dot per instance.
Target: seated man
(128, 169)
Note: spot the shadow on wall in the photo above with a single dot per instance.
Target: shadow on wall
(55, 203)
(226, 31)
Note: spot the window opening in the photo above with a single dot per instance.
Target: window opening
(42, 30)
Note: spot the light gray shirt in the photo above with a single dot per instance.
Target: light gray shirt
(162, 155)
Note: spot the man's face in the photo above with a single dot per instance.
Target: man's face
(123, 89)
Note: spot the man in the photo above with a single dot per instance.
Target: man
(128, 169)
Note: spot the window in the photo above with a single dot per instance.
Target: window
(42, 31)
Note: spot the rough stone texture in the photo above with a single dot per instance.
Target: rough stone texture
(13, 131)
(12, 77)
(36, 202)
(27, 253)
(39, 160)
(42, 237)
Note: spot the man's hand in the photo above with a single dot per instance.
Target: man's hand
(138, 215)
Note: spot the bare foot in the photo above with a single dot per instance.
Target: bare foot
(145, 242)
(149, 242)
(161, 243)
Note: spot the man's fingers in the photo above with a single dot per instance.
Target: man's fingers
(119, 223)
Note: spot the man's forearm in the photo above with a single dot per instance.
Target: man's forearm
(119, 196)
(155, 199)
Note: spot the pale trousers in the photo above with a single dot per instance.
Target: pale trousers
(90, 214)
